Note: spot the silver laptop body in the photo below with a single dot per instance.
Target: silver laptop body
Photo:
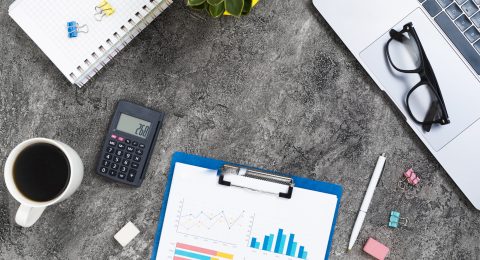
(449, 33)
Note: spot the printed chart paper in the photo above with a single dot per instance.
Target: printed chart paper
(205, 220)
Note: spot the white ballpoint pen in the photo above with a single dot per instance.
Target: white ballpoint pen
(367, 199)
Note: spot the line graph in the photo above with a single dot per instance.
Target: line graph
(203, 219)
(229, 226)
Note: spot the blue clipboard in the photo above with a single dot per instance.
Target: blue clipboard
(214, 164)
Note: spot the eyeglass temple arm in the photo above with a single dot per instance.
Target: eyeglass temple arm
(432, 113)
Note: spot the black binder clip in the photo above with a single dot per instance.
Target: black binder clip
(256, 174)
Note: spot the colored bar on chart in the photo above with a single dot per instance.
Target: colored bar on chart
(279, 241)
(294, 249)
(301, 251)
(197, 256)
(304, 255)
(270, 242)
(179, 258)
(290, 244)
(224, 255)
(257, 245)
(282, 244)
(199, 253)
(254, 242)
(265, 243)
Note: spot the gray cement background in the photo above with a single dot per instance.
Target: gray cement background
(276, 90)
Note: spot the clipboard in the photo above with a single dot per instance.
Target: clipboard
(226, 169)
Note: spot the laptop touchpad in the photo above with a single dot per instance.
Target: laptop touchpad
(460, 88)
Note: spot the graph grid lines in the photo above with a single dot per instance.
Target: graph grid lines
(227, 226)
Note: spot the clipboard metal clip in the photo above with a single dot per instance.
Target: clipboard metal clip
(258, 175)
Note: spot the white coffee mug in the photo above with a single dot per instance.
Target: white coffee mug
(30, 210)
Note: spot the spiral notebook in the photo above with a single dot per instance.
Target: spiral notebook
(80, 58)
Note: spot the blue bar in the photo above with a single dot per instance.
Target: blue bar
(179, 252)
(294, 249)
(270, 242)
(300, 252)
(282, 244)
(290, 243)
(279, 241)
(304, 255)
(265, 243)
(257, 245)
(254, 242)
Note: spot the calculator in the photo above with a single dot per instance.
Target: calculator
(129, 143)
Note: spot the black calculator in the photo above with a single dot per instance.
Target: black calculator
(129, 143)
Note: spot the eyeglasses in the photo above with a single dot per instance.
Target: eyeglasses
(424, 101)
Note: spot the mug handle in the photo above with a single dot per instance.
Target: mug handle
(27, 216)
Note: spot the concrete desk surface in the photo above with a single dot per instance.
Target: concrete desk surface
(276, 89)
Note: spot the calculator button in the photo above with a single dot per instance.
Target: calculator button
(114, 136)
(134, 143)
(128, 141)
(123, 169)
(134, 165)
(139, 152)
(141, 146)
(132, 171)
(128, 155)
(112, 173)
(121, 139)
(126, 162)
(108, 156)
(103, 170)
(130, 177)
(121, 175)
(130, 149)
(116, 159)
(110, 150)
(112, 143)
(137, 158)
(119, 153)
(114, 166)
(106, 163)
(121, 146)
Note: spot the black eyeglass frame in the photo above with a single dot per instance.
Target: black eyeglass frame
(427, 76)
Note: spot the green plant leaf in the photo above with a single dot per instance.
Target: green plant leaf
(216, 10)
(195, 2)
(247, 6)
(214, 2)
(199, 7)
(234, 7)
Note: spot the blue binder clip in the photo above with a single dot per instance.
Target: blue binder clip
(73, 28)
(396, 220)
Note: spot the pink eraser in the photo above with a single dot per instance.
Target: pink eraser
(376, 249)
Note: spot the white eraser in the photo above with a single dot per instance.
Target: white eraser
(126, 234)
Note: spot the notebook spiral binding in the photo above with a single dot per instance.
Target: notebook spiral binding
(105, 52)
(256, 174)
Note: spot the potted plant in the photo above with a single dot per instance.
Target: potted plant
(217, 8)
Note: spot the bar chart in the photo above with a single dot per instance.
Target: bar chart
(281, 243)
(190, 252)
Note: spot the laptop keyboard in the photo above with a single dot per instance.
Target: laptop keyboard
(460, 21)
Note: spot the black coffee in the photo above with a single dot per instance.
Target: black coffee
(41, 172)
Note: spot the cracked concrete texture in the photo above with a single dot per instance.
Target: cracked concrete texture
(276, 89)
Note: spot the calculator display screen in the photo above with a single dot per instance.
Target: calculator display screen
(134, 126)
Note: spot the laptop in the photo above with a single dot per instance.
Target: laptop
(449, 31)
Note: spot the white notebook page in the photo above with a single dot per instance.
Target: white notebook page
(45, 22)
(204, 216)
